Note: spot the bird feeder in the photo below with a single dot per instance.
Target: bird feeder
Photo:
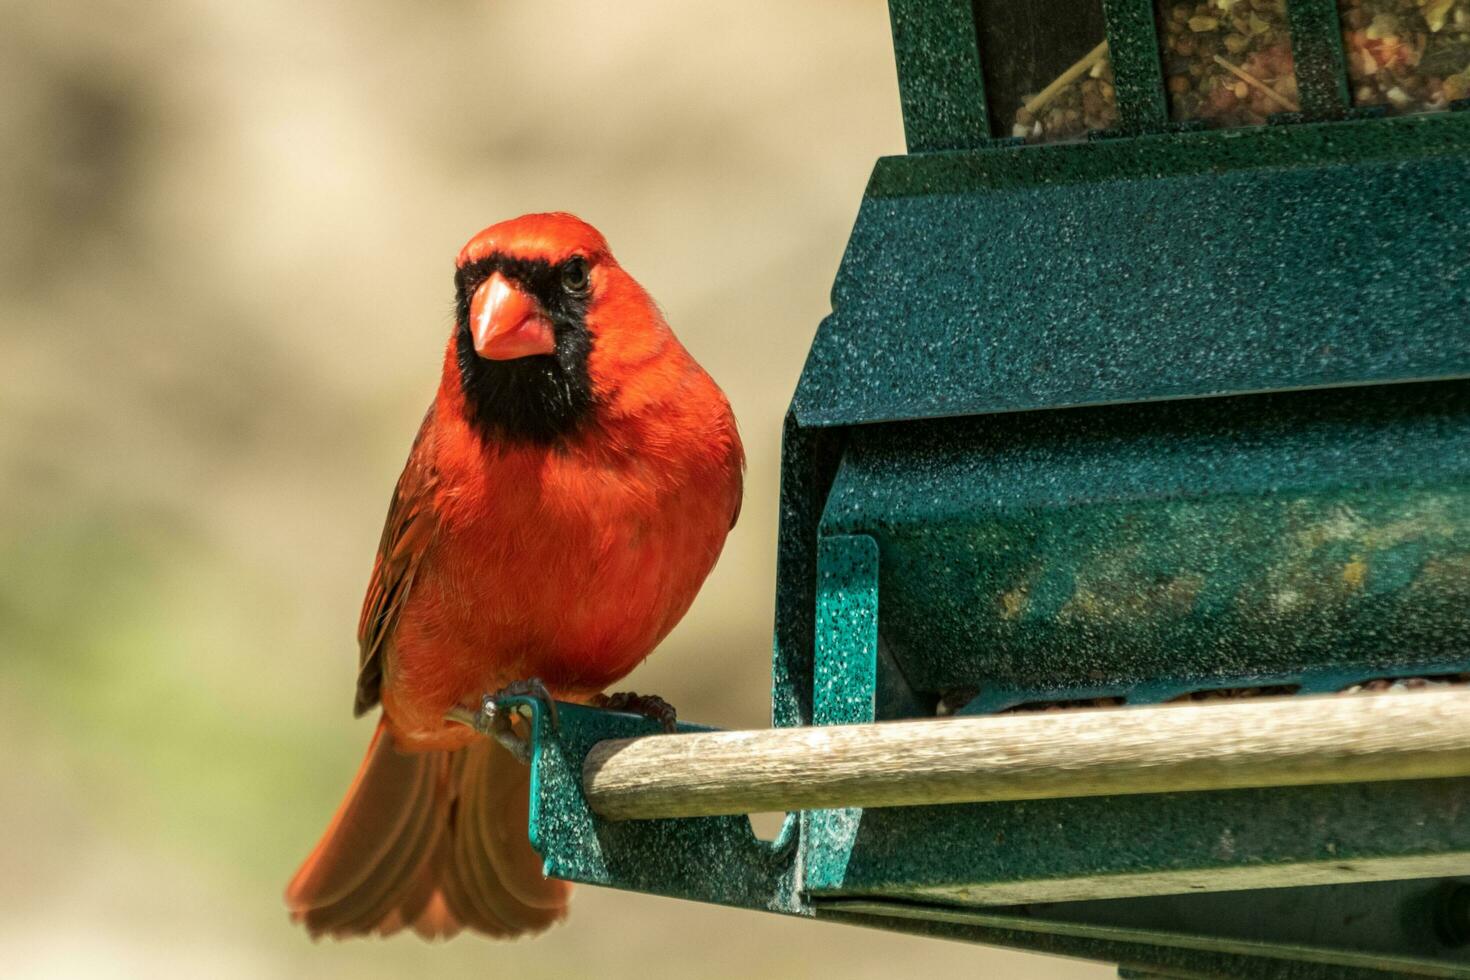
(1130, 479)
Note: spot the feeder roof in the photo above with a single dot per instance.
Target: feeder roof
(1028, 289)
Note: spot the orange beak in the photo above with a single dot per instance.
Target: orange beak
(506, 323)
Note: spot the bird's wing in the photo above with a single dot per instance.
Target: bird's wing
(407, 532)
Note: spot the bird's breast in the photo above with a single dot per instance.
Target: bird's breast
(563, 566)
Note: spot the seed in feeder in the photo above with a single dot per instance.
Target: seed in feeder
(1384, 25)
(1228, 71)
(1402, 54)
(1437, 13)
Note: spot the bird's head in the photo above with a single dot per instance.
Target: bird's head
(544, 317)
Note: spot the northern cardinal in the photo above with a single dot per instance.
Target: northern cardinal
(569, 490)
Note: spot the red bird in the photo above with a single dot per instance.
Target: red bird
(567, 494)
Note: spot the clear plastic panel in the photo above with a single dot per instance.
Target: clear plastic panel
(1047, 74)
(1408, 55)
(1227, 62)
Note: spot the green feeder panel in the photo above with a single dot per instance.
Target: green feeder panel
(1147, 378)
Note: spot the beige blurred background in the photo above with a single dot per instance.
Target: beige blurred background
(226, 241)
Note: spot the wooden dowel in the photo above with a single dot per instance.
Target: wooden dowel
(1168, 748)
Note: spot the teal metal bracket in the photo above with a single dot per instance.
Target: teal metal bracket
(845, 685)
(846, 669)
(707, 859)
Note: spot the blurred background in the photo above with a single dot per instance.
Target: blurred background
(225, 282)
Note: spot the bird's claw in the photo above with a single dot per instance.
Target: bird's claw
(650, 706)
(498, 721)
(531, 687)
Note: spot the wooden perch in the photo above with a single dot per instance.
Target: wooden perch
(1167, 748)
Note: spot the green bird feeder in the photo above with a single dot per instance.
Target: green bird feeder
(1141, 421)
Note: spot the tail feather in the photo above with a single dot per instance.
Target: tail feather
(367, 823)
(381, 896)
(435, 921)
(471, 894)
(504, 812)
(421, 898)
(488, 879)
(431, 841)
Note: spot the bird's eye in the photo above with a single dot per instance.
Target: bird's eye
(575, 275)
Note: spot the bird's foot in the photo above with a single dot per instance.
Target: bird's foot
(499, 722)
(650, 706)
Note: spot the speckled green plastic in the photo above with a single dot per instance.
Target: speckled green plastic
(710, 859)
(809, 460)
(955, 855)
(1138, 78)
(1005, 167)
(944, 855)
(1315, 539)
(940, 87)
(1316, 48)
(1358, 931)
(1047, 294)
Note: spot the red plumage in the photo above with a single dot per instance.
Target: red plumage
(557, 514)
